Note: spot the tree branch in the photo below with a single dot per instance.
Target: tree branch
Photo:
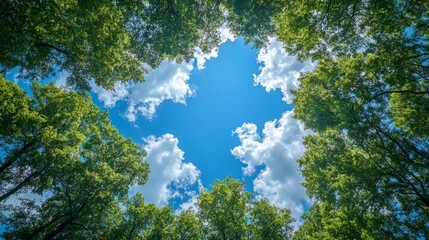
(401, 91)
(47, 45)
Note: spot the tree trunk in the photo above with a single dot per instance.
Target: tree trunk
(59, 229)
(10, 159)
(20, 185)
(73, 216)
(40, 229)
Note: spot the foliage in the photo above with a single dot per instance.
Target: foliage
(224, 209)
(43, 37)
(253, 19)
(314, 29)
(366, 166)
(229, 212)
(122, 39)
(269, 221)
(67, 169)
(60, 145)
(345, 96)
(352, 197)
(187, 226)
(226, 212)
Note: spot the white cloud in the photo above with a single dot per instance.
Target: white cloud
(278, 149)
(279, 70)
(110, 97)
(169, 81)
(170, 177)
(201, 58)
(226, 34)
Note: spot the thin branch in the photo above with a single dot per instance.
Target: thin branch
(47, 45)
(401, 91)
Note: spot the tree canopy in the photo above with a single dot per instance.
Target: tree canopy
(225, 212)
(57, 143)
(229, 212)
(69, 170)
(366, 167)
(114, 41)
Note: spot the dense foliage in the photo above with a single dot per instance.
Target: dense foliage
(229, 212)
(225, 212)
(110, 41)
(59, 148)
(367, 165)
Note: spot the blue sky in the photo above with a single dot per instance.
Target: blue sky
(225, 97)
(227, 113)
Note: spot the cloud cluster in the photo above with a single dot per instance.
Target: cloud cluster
(167, 82)
(110, 97)
(170, 177)
(277, 150)
(279, 70)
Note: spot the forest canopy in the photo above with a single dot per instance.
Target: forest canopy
(366, 167)
(114, 41)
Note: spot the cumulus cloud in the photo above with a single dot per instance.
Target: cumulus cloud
(167, 82)
(110, 97)
(279, 70)
(201, 58)
(226, 34)
(277, 150)
(170, 176)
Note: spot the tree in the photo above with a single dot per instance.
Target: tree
(229, 212)
(41, 134)
(67, 148)
(224, 209)
(141, 220)
(43, 37)
(173, 29)
(348, 96)
(380, 46)
(314, 29)
(409, 111)
(134, 222)
(353, 197)
(253, 19)
(270, 222)
(187, 226)
(365, 101)
(123, 38)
